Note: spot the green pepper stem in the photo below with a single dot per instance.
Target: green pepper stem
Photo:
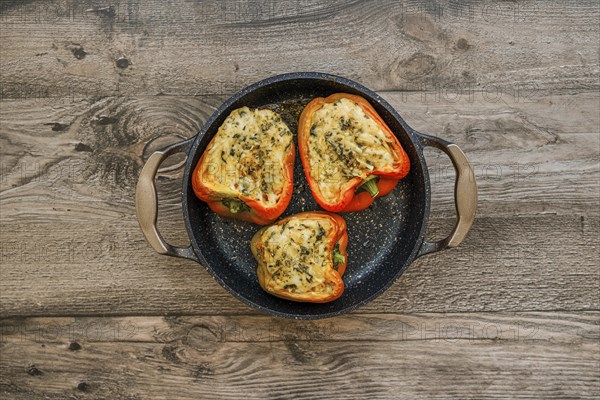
(338, 258)
(234, 205)
(371, 187)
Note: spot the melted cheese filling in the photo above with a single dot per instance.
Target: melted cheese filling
(246, 156)
(345, 143)
(296, 256)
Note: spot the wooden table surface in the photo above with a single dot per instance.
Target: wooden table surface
(90, 89)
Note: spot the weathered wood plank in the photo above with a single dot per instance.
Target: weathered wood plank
(86, 155)
(190, 48)
(546, 262)
(66, 163)
(515, 84)
(479, 356)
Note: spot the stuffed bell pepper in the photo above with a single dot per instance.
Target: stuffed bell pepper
(350, 156)
(302, 257)
(246, 172)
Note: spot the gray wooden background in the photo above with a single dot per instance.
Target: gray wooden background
(89, 89)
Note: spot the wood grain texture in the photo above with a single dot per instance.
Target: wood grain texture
(419, 356)
(198, 48)
(518, 149)
(528, 263)
(538, 217)
(89, 89)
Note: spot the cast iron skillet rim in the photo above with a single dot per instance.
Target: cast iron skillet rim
(413, 136)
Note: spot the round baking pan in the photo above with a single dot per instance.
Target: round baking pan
(383, 239)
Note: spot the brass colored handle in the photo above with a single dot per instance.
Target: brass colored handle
(146, 202)
(465, 195)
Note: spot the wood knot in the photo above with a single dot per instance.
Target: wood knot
(204, 338)
(105, 120)
(203, 370)
(34, 371)
(83, 147)
(56, 126)
(462, 44)
(299, 354)
(416, 67)
(122, 62)
(74, 346)
(78, 52)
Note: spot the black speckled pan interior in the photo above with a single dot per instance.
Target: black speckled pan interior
(383, 239)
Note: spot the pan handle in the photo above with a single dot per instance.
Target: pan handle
(146, 202)
(465, 195)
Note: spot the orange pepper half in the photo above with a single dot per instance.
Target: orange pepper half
(232, 203)
(351, 199)
(336, 241)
